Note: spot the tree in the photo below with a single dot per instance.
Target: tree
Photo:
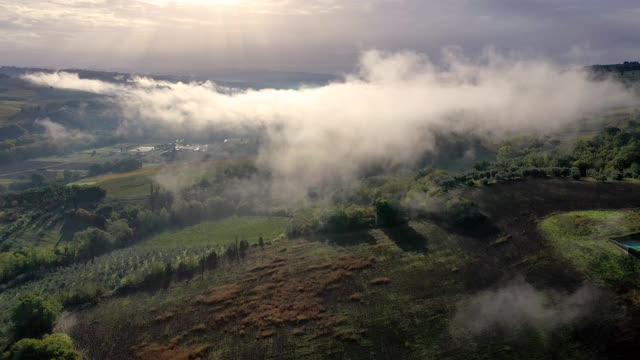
(92, 242)
(54, 346)
(67, 175)
(218, 207)
(38, 179)
(387, 213)
(35, 315)
(575, 173)
(187, 212)
(482, 165)
(120, 231)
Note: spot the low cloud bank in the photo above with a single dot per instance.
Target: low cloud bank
(59, 133)
(519, 305)
(384, 112)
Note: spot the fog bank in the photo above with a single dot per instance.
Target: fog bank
(383, 112)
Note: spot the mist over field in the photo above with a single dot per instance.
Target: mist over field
(518, 305)
(384, 112)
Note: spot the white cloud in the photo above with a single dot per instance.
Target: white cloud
(59, 133)
(384, 112)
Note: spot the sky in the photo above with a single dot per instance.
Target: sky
(196, 37)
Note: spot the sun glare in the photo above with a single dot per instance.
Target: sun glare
(196, 2)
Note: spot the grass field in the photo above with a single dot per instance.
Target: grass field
(222, 232)
(581, 237)
(86, 156)
(128, 185)
(8, 109)
(136, 184)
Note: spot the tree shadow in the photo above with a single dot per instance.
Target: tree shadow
(407, 238)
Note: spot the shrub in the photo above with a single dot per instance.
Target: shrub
(187, 212)
(150, 222)
(336, 222)
(91, 243)
(360, 217)
(592, 173)
(54, 346)
(616, 175)
(236, 250)
(387, 213)
(218, 207)
(575, 173)
(120, 231)
(35, 315)
(617, 270)
(105, 211)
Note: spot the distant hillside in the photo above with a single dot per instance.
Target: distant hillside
(626, 66)
(235, 78)
(628, 72)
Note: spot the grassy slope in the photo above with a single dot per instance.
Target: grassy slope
(128, 185)
(222, 232)
(8, 109)
(107, 270)
(581, 236)
(404, 305)
(407, 316)
(136, 184)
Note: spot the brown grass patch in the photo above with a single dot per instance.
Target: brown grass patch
(380, 281)
(275, 295)
(222, 294)
(199, 328)
(350, 263)
(346, 335)
(288, 293)
(168, 352)
(357, 297)
(165, 316)
(267, 334)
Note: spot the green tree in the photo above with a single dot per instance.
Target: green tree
(35, 315)
(67, 175)
(120, 231)
(38, 179)
(387, 214)
(54, 347)
(575, 173)
(92, 242)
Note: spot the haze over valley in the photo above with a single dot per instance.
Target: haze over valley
(239, 179)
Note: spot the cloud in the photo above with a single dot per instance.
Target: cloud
(59, 133)
(384, 112)
(519, 305)
(69, 81)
